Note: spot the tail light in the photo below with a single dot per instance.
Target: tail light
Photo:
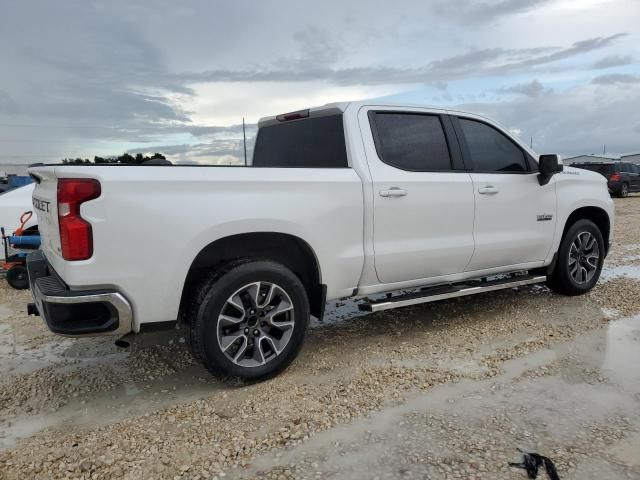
(76, 236)
(615, 177)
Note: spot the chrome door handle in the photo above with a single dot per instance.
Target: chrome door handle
(393, 192)
(488, 190)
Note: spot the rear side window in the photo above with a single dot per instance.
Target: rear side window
(408, 141)
(491, 150)
(312, 143)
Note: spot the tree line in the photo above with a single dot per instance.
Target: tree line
(125, 159)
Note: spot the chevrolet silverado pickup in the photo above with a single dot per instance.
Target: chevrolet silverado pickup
(393, 204)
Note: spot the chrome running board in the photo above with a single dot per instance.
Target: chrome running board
(434, 294)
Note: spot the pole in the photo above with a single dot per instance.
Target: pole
(244, 139)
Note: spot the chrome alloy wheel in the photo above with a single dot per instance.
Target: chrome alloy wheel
(584, 256)
(255, 324)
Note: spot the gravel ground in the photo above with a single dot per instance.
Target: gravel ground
(445, 390)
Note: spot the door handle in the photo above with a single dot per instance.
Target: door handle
(488, 190)
(393, 192)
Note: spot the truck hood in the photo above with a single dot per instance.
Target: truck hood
(582, 174)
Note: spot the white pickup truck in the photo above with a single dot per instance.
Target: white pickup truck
(345, 200)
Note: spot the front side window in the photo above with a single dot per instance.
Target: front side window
(491, 150)
(410, 141)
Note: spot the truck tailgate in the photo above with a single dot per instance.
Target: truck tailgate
(46, 208)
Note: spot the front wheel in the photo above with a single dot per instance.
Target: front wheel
(579, 261)
(249, 320)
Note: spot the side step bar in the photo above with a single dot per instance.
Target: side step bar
(450, 291)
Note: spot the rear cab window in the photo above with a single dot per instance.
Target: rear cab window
(314, 142)
(411, 141)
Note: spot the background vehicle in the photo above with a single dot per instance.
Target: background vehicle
(622, 177)
(346, 200)
(13, 204)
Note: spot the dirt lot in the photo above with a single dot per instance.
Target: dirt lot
(445, 390)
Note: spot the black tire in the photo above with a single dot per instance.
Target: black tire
(18, 277)
(210, 299)
(561, 280)
(624, 190)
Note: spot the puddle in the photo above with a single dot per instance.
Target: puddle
(622, 351)
(474, 425)
(630, 271)
(127, 400)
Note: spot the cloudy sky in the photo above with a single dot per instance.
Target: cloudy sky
(85, 78)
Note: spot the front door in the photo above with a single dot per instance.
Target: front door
(423, 205)
(515, 216)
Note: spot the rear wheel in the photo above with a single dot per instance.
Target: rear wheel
(18, 277)
(579, 260)
(249, 320)
(624, 190)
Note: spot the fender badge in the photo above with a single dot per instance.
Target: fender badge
(545, 218)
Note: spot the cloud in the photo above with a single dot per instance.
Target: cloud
(7, 104)
(224, 147)
(613, 61)
(465, 11)
(473, 63)
(616, 78)
(572, 121)
(86, 65)
(84, 78)
(531, 89)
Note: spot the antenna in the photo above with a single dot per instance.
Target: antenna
(244, 139)
(604, 148)
(531, 142)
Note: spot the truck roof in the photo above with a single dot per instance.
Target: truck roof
(340, 107)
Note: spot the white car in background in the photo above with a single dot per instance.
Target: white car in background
(13, 204)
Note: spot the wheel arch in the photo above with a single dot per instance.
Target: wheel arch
(291, 251)
(597, 215)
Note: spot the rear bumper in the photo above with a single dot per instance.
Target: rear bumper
(76, 313)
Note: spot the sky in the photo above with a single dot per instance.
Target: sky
(84, 78)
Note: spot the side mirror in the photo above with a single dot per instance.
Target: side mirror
(548, 166)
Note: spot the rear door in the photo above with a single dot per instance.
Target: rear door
(636, 172)
(634, 178)
(422, 196)
(515, 216)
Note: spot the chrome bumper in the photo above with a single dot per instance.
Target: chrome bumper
(76, 313)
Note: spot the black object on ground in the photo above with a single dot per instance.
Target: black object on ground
(531, 462)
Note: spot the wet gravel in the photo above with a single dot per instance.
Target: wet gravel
(445, 390)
